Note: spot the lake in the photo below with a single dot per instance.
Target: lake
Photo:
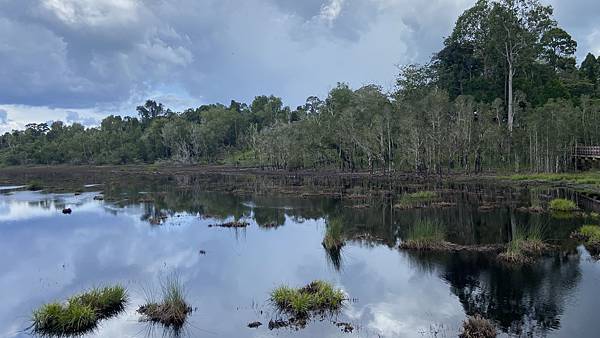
(142, 230)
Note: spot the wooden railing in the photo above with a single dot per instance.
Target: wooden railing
(587, 151)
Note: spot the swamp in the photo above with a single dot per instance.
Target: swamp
(241, 253)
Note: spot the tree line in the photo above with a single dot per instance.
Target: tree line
(504, 92)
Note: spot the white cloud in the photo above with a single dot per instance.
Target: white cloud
(331, 10)
(93, 12)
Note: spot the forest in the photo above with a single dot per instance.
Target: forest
(504, 92)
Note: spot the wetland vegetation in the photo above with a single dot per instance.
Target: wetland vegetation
(80, 314)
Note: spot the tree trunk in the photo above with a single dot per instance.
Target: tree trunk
(510, 95)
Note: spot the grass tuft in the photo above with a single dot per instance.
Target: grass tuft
(425, 235)
(525, 246)
(590, 236)
(415, 199)
(561, 204)
(318, 296)
(172, 310)
(80, 314)
(334, 236)
(106, 302)
(478, 327)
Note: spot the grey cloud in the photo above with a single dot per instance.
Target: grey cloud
(110, 53)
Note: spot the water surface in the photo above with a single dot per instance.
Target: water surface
(137, 235)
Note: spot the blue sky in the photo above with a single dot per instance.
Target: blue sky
(80, 60)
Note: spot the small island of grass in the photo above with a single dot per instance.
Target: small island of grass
(80, 314)
(562, 205)
(172, 309)
(524, 247)
(590, 236)
(425, 235)
(301, 303)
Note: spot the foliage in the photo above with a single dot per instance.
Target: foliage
(315, 297)
(561, 204)
(591, 233)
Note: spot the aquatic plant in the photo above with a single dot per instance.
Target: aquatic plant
(525, 246)
(561, 204)
(318, 296)
(590, 236)
(106, 302)
(478, 327)
(334, 235)
(425, 235)
(172, 310)
(412, 200)
(80, 314)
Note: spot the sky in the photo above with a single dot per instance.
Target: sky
(81, 60)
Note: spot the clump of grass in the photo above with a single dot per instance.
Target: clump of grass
(478, 327)
(590, 236)
(525, 246)
(425, 235)
(172, 310)
(80, 314)
(318, 296)
(415, 199)
(35, 185)
(561, 204)
(106, 302)
(334, 235)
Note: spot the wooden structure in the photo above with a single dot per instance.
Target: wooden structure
(586, 156)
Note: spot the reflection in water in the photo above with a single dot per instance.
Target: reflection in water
(134, 237)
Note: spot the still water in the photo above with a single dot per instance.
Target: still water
(137, 236)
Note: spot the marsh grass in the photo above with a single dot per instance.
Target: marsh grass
(562, 205)
(106, 302)
(525, 246)
(478, 327)
(590, 236)
(172, 309)
(316, 297)
(415, 199)
(79, 314)
(589, 177)
(334, 235)
(425, 235)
